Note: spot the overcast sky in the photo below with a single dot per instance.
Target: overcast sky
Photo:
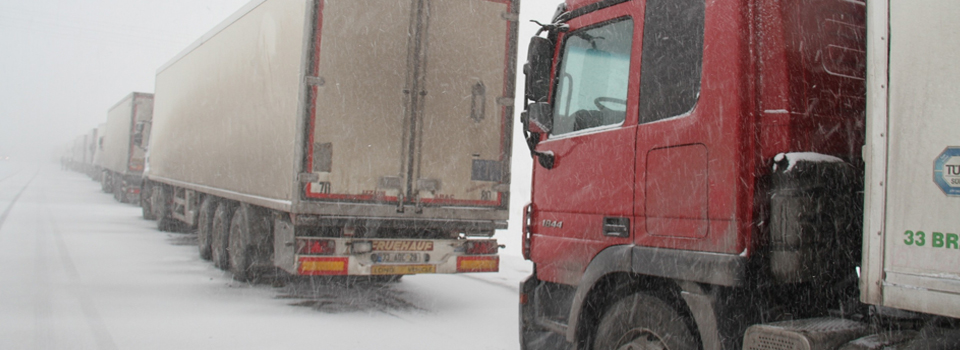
(63, 63)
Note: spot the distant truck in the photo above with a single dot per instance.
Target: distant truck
(703, 170)
(97, 153)
(121, 147)
(340, 137)
(79, 157)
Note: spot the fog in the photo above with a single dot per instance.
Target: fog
(65, 63)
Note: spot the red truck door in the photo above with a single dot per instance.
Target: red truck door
(585, 203)
(690, 126)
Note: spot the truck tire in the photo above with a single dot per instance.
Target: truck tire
(146, 199)
(220, 235)
(105, 185)
(163, 208)
(642, 321)
(242, 243)
(205, 226)
(118, 191)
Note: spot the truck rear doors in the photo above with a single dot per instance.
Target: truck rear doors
(410, 102)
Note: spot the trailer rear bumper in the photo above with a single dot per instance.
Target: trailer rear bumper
(316, 256)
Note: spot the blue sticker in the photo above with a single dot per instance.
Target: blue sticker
(946, 171)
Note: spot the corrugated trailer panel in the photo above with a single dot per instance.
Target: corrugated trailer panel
(912, 256)
(226, 110)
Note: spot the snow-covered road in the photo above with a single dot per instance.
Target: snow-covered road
(81, 271)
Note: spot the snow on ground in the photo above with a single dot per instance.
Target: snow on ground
(81, 271)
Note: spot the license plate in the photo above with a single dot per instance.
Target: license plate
(396, 258)
(402, 269)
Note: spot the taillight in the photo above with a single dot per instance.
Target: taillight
(316, 247)
(481, 247)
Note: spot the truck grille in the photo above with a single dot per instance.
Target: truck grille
(805, 334)
(773, 342)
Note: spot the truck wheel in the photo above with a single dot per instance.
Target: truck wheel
(105, 185)
(241, 247)
(205, 226)
(163, 208)
(642, 321)
(118, 191)
(145, 200)
(220, 235)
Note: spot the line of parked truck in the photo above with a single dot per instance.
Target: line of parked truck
(710, 174)
(326, 138)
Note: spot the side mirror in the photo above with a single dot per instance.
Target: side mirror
(537, 69)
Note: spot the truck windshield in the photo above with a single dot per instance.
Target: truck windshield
(592, 82)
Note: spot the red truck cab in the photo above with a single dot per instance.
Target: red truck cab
(690, 153)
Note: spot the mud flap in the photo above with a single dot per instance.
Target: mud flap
(284, 247)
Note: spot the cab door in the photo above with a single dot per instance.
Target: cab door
(691, 128)
(585, 202)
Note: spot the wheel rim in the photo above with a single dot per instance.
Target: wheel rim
(641, 339)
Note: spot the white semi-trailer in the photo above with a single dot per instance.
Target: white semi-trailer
(910, 272)
(340, 137)
(120, 152)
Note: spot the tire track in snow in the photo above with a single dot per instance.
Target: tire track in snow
(6, 212)
(512, 288)
(100, 333)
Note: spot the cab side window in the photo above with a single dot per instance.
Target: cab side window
(592, 80)
(672, 60)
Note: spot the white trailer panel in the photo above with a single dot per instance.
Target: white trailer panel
(354, 108)
(912, 235)
(226, 109)
(412, 103)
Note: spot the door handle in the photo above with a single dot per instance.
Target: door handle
(616, 227)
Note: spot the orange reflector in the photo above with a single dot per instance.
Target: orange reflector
(478, 263)
(322, 266)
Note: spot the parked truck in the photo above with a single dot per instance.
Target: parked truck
(121, 147)
(743, 174)
(80, 155)
(340, 137)
(97, 154)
